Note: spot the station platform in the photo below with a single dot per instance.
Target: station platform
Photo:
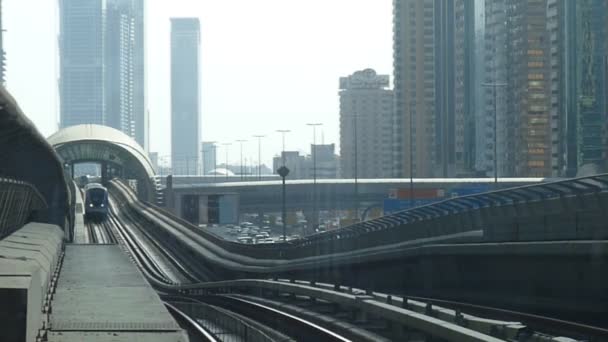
(102, 296)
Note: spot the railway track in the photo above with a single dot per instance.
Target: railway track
(157, 263)
(196, 331)
(100, 232)
(268, 309)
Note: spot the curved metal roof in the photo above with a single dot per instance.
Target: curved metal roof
(98, 143)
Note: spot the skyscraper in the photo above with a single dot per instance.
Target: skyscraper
(81, 46)
(579, 85)
(102, 81)
(366, 115)
(433, 53)
(185, 95)
(517, 43)
(2, 55)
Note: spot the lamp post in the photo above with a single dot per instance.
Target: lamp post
(313, 152)
(355, 117)
(494, 85)
(227, 145)
(283, 171)
(241, 141)
(214, 162)
(283, 132)
(259, 137)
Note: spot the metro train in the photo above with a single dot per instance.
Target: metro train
(95, 202)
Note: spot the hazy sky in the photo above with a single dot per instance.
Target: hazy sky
(266, 65)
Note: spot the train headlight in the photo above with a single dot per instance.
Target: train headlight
(91, 205)
(102, 205)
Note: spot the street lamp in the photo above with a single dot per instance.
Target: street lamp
(494, 85)
(313, 151)
(283, 171)
(226, 165)
(259, 155)
(355, 117)
(283, 132)
(241, 141)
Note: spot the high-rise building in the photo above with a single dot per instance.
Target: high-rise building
(102, 49)
(81, 47)
(209, 158)
(2, 55)
(185, 95)
(366, 125)
(517, 44)
(579, 84)
(434, 118)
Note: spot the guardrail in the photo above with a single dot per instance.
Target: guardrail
(437, 318)
(18, 201)
(221, 323)
(568, 209)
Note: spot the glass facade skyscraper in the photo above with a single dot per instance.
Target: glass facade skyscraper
(185, 96)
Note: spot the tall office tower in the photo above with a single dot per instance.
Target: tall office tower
(102, 47)
(366, 115)
(434, 119)
(119, 64)
(2, 54)
(579, 46)
(481, 164)
(209, 158)
(81, 48)
(517, 43)
(185, 95)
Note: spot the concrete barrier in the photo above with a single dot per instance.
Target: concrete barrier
(28, 259)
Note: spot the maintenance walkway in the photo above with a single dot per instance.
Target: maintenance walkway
(102, 296)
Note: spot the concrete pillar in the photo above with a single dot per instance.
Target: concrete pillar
(104, 173)
(170, 195)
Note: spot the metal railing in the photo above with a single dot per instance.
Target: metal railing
(222, 324)
(18, 200)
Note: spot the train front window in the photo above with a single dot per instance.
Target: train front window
(96, 196)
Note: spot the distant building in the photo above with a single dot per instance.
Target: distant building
(517, 43)
(434, 98)
(2, 54)
(302, 166)
(366, 125)
(102, 65)
(185, 96)
(81, 50)
(209, 158)
(295, 162)
(326, 161)
(578, 36)
(154, 159)
(125, 68)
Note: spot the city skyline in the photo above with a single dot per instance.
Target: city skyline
(281, 67)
